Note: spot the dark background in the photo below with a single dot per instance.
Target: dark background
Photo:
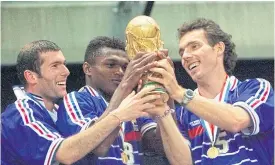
(244, 69)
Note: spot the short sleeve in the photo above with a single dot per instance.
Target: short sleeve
(77, 112)
(27, 135)
(145, 124)
(256, 96)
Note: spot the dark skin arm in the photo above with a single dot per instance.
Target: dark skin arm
(151, 140)
(141, 63)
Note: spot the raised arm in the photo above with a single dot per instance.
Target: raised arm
(77, 146)
(233, 118)
(175, 145)
(141, 63)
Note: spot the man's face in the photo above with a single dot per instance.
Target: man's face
(54, 73)
(198, 58)
(108, 70)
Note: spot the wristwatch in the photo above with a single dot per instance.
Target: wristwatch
(187, 97)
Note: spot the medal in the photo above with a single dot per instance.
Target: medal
(124, 157)
(212, 131)
(212, 152)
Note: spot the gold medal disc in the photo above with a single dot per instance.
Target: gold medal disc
(212, 152)
(124, 157)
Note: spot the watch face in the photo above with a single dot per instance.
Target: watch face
(189, 93)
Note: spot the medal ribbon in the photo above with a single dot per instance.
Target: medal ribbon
(212, 130)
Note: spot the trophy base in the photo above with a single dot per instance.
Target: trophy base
(163, 97)
(160, 90)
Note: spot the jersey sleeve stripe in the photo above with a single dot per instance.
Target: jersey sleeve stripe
(69, 106)
(24, 113)
(147, 127)
(56, 134)
(37, 123)
(252, 98)
(46, 130)
(91, 91)
(261, 94)
(88, 124)
(254, 117)
(69, 109)
(77, 109)
(74, 112)
(27, 113)
(235, 80)
(262, 98)
(52, 151)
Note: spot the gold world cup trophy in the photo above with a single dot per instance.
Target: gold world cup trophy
(143, 35)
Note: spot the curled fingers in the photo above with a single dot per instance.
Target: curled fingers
(167, 64)
(144, 91)
(145, 59)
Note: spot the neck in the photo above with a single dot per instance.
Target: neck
(106, 96)
(212, 86)
(49, 103)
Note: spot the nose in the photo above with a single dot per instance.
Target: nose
(65, 71)
(185, 57)
(120, 71)
(186, 54)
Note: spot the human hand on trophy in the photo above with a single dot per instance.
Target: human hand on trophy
(143, 37)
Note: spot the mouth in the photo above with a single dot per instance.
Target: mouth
(116, 81)
(193, 65)
(61, 83)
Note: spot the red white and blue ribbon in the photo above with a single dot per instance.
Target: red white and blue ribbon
(212, 130)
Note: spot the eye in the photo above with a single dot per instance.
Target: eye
(124, 67)
(195, 46)
(110, 65)
(181, 51)
(54, 65)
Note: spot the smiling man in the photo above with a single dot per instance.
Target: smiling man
(107, 83)
(29, 135)
(225, 120)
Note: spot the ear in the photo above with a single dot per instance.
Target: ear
(30, 77)
(219, 48)
(87, 69)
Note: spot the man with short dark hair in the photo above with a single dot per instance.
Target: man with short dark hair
(29, 135)
(225, 120)
(109, 78)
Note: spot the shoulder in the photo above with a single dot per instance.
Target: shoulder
(79, 101)
(253, 93)
(258, 88)
(20, 105)
(254, 83)
(21, 112)
(79, 97)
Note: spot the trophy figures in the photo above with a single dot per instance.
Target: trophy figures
(143, 35)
